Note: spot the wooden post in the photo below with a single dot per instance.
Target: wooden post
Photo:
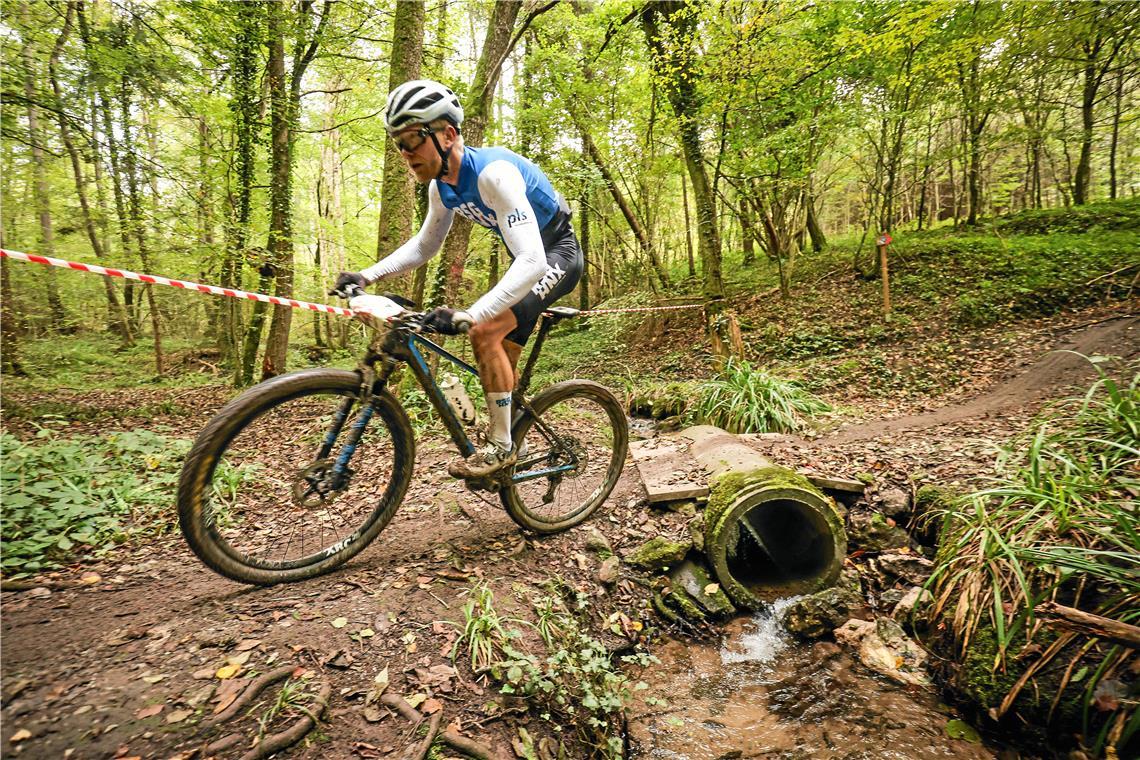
(881, 243)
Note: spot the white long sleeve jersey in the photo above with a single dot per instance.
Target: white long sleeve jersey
(497, 189)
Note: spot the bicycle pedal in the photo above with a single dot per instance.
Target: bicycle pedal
(482, 484)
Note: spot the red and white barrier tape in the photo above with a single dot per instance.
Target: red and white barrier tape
(156, 280)
(215, 290)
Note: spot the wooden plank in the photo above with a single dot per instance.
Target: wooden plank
(834, 484)
(667, 471)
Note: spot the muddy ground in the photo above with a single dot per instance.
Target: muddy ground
(120, 657)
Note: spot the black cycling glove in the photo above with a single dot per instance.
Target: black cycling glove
(344, 279)
(442, 320)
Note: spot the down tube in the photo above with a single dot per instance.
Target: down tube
(435, 395)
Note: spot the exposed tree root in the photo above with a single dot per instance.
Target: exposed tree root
(255, 687)
(452, 739)
(293, 734)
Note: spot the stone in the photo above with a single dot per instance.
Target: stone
(683, 604)
(698, 584)
(598, 543)
(909, 568)
(696, 528)
(894, 503)
(610, 570)
(884, 648)
(915, 596)
(658, 553)
(818, 614)
(873, 532)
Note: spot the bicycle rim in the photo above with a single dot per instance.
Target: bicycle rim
(264, 503)
(578, 450)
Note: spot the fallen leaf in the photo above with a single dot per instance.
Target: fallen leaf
(416, 699)
(148, 712)
(153, 679)
(374, 714)
(239, 659)
(340, 622)
(712, 588)
(225, 702)
(177, 716)
(381, 680)
(88, 579)
(438, 626)
(247, 644)
(228, 671)
(20, 735)
(431, 706)
(366, 633)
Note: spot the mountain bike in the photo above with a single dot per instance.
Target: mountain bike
(300, 473)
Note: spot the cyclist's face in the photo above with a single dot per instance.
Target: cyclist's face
(419, 153)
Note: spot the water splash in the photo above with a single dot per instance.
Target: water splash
(767, 639)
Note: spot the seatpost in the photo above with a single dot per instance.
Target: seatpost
(532, 358)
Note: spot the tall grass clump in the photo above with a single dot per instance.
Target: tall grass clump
(745, 399)
(1060, 523)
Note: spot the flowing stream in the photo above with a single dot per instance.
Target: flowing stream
(759, 693)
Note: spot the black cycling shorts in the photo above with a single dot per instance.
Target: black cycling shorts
(564, 262)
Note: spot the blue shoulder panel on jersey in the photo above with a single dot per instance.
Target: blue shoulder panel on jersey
(465, 199)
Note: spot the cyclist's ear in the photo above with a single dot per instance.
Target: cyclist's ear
(407, 303)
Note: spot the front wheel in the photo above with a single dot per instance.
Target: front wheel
(572, 449)
(262, 498)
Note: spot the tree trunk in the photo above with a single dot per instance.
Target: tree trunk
(1118, 98)
(688, 226)
(496, 48)
(58, 317)
(1084, 162)
(285, 108)
(643, 242)
(397, 193)
(818, 240)
(670, 44)
(279, 247)
(244, 106)
(137, 225)
(584, 244)
(117, 320)
(10, 323)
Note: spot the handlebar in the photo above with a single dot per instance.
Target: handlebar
(408, 319)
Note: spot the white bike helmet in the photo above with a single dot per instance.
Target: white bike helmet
(421, 101)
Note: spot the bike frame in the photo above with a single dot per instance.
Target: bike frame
(406, 347)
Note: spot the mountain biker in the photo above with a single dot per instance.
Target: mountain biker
(500, 190)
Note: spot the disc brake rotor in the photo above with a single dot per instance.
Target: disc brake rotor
(315, 484)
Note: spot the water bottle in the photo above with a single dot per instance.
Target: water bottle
(457, 398)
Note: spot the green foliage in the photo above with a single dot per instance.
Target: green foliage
(568, 676)
(1060, 522)
(1094, 217)
(983, 278)
(744, 399)
(64, 497)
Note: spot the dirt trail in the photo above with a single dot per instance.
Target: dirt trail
(1056, 370)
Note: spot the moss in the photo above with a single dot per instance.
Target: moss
(724, 491)
(657, 553)
(680, 601)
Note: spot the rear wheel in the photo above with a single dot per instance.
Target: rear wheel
(261, 500)
(572, 456)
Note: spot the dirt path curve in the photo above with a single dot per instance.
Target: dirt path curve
(1058, 369)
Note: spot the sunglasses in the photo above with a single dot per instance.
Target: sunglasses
(411, 141)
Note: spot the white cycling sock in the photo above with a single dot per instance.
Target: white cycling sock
(499, 409)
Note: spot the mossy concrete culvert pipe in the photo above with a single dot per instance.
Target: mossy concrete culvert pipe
(769, 533)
